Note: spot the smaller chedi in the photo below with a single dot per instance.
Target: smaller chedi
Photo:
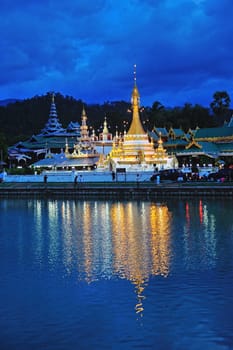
(134, 151)
(84, 147)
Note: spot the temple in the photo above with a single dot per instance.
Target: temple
(55, 147)
(53, 126)
(135, 152)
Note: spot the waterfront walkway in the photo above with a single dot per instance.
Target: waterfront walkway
(116, 189)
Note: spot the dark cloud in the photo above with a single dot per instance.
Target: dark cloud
(183, 49)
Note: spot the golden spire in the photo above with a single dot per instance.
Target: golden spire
(66, 147)
(84, 116)
(84, 127)
(136, 126)
(105, 129)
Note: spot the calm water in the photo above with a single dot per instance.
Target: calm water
(116, 274)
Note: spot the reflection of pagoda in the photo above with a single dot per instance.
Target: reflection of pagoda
(128, 246)
(136, 258)
(139, 289)
(136, 152)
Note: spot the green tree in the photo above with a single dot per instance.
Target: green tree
(155, 115)
(220, 105)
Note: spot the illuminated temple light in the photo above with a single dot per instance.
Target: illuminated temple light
(135, 151)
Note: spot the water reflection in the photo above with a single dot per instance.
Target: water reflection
(199, 235)
(131, 240)
(81, 274)
(140, 243)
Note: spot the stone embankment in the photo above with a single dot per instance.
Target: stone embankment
(115, 190)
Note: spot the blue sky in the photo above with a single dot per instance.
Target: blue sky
(183, 49)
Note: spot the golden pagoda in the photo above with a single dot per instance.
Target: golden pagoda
(135, 152)
(84, 147)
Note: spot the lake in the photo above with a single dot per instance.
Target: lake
(95, 274)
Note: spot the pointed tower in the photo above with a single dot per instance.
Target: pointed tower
(53, 126)
(105, 135)
(136, 126)
(84, 127)
(136, 151)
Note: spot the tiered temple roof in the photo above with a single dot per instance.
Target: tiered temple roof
(53, 126)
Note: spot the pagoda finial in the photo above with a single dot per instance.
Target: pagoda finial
(136, 126)
(53, 96)
(160, 141)
(83, 111)
(135, 73)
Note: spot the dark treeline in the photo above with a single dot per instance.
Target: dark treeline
(22, 119)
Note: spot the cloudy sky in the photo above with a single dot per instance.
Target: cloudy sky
(87, 49)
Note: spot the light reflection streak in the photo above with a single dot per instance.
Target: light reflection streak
(141, 245)
(187, 214)
(87, 243)
(66, 212)
(106, 246)
(199, 240)
(201, 211)
(129, 240)
(160, 230)
(53, 230)
(38, 237)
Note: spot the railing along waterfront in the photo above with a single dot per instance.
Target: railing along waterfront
(116, 189)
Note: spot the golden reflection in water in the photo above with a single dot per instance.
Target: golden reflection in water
(128, 239)
(160, 219)
(141, 243)
(139, 289)
(87, 241)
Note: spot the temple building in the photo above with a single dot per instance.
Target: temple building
(53, 126)
(46, 149)
(104, 142)
(198, 147)
(135, 152)
(81, 155)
